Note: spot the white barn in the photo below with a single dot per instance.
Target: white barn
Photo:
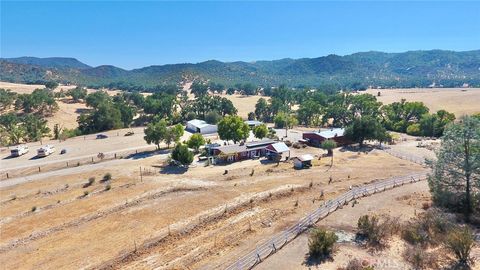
(200, 126)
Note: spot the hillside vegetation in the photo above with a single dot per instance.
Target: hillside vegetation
(355, 71)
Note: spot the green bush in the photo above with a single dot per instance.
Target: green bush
(321, 243)
(414, 130)
(107, 177)
(427, 229)
(376, 232)
(420, 258)
(460, 241)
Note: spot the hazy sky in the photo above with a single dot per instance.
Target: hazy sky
(136, 34)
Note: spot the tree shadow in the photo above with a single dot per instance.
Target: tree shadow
(146, 154)
(358, 149)
(36, 157)
(173, 169)
(316, 261)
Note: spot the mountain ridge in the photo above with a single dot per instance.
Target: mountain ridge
(358, 70)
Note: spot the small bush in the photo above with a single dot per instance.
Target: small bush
(428, 229)
(288, 143)
(376, 232)
(321, 243)
(419, 258)
(460, 241)
(107, 177)
(85, 193)
(34, 209)
(90, 182)
(357, 264)
(108, 187)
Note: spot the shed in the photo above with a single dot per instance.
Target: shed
(303, 161)
(276, 150)
(200, 126)
(317, 137)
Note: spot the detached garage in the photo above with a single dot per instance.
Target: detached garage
(200, 126)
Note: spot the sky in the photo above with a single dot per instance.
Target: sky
(134, 34)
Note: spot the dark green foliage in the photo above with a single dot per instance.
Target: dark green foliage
(455, 181)
(321, 243)
(375, 231)
(233, 128)
(213, 117)
(260, 131)
(107, 177)
(427, 229)
(195, 141)
(181, 154)
(77, 93)
(7, 98)
(365, 128)
(156, 132)
(51, 85)
(40, 101)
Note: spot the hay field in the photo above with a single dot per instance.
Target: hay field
(459, 101)
(168, 218)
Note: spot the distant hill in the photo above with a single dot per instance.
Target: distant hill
(49, 62)
(355, 71)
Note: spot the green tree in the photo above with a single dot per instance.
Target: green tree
(261, 110)
(309, 113)
(321, 243)
(251, 116)
(213, 117)
(260, 131)
(249, 89)
(77, 93)
(56, 131)
(284, 120)
(433, 125)
(365, 128)
(414, 130)
(51, 85)
(195, 141)
(7, 98)
(181, 154)
(199, 89)
(35, 127)
(233, 128)
(329, 145)
(96, 98)
(156, 132)
(230, 91)
(174, 134)
(455, 181)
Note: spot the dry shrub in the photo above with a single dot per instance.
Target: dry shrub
(375, 231)
(356, 264)
(288, 143)
(460, 241)
(420, 258)
(426, 205)
(297, 146)
(427, 229)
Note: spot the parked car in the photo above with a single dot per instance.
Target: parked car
(64, 151)
(101, 136)
(19, 150)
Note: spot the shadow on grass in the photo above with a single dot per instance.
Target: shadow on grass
(173, 170)
(146, 154)
(316, 261)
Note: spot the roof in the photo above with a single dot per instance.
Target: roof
(259, 143)
(331, 133)
(280, 147)
(253, 122)
(198, 123)
(306, 157)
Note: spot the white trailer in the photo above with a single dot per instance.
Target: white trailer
(19, 151)
(45, 150)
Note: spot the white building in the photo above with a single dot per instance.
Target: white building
(200, 126)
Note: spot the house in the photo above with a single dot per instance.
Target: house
(253, 123)
(237, 152)
(200, 126)
(303, 161)
(276, 150)
(317, 137)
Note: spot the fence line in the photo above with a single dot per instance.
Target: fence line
(412, 158)
(270, 246)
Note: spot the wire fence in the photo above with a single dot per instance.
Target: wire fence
(409, 157)
(270, 246)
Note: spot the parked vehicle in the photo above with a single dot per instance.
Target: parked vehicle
(19, 151)
(101, 136)
(130, 133)
(64, 151)
(45, 150)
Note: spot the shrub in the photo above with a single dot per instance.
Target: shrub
(34, 209)
(107, 177)
(376, 232)
(85, 193)
(414, 130)
(90, 182)
(321, 243)
(460, 241)
(419, 258)
(357, 264)
(427, 229)
(108, 187)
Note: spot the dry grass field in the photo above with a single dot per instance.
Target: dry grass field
(459, 101)
(167, 218)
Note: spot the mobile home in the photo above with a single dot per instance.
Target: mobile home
(45, 150)
(19, 151)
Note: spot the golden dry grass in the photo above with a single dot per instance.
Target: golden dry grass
(459, 101)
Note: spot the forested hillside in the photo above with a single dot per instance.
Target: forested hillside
(355, 71)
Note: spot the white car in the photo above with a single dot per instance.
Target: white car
(19, 151)
(45, 150)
